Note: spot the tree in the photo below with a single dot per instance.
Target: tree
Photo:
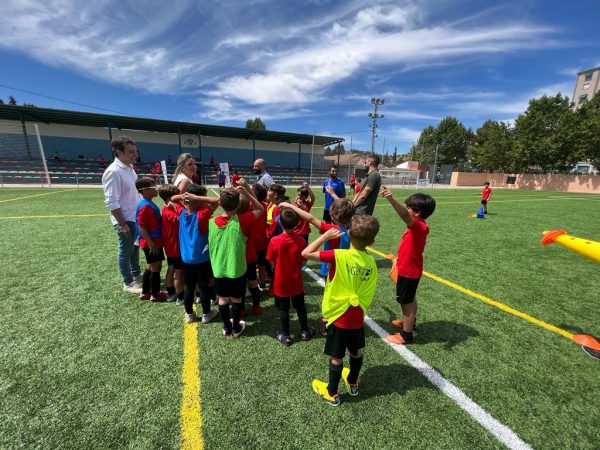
(395, 156)
(453, 140)
(544, 135)
(1, 102)
(492, 147)
(29, 104)
(256, 124)
(11, 100)
(424, 149)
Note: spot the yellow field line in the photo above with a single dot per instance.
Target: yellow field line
(191, 412)
(36, 195)
(488, 300)
(53, 216)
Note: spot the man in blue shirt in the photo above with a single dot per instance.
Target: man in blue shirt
(338, 187)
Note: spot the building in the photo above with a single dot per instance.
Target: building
(587, 85)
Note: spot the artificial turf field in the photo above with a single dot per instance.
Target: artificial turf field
(85, 365)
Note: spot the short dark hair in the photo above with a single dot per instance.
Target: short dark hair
(421, 203)
(487, 183)
(120, 142)
(260, 191)
(281, 199)
(289, 219)
(144, 182)
(230, 199)
(342, 211)
(166, 191)
(278, 189)
(363, 231)
(376, 159)
(304, 192)
(196, 189)
(333, 166)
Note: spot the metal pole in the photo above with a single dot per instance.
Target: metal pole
(312, 153)
(299, 155)
(349, 159)
(339, 148)
(77, 178)
(434, 165)
(25, 136)
(382, 152)
(39, 139)
(179, 138)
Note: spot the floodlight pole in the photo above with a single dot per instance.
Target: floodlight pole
(312, 153)
(350, 159)
(374, 116)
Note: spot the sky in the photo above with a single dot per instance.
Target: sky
(302, 66)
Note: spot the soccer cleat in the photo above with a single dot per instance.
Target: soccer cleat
(145, 296)
(161, 297)
(172, 298)
(209, 316)
(256, 310)
(236, 334)
(190, 318)
(306, 335)
(398, 324)
(397, 339)
(179, 302)
(320, 388)
(284, 339)
(132, 288)
(226, 332)
(352, 389)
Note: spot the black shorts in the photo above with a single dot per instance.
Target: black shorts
(484, 202)
(175, 261)
(406, 289)
(326, 216)
(153, 257)
(230, 287)
(251, 271)
(261, 257)
(340, 339)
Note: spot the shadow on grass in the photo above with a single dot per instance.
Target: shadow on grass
(571, 328)
(389, 379)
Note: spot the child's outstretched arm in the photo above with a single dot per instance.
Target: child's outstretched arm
(331, 192)
(312, 251)
(303, 214)
(191, 198)
(311, 194)
(399, 207)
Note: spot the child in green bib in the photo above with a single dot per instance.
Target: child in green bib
(349, 290)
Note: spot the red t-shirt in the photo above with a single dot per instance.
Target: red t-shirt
(487, 192)
(170, 229)
(410, 251)
(272, 228)
(147, 219)
(285, 251)
(234, 179)
(204, 216)
(354, 317)
(246, 219)
(357, 188)
(334, 243)
(303, 226)
(259, 231)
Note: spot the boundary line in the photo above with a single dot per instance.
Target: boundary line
(191, 410)
(36, 195)
(53, 216)
(489, 301)
(481, 416)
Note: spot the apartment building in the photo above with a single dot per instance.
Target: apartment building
(588, 85)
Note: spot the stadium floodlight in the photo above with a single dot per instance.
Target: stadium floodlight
(374, 116)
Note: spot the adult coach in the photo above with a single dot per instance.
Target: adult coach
(338, 188)
(263, 177)
(369, 190)
(121, 197)
(185, 171)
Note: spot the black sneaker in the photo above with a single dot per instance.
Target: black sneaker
(591, 352)
(284, 339)
(307, 335)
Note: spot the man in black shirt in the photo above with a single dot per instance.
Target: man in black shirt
(365, 200)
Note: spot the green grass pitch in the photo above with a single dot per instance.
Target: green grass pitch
(85, 365)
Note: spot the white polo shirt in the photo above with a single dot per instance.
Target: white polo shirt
(118, 183)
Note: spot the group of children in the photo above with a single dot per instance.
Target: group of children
(263, 234)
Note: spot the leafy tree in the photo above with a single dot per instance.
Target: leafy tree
(453, 140)
(1, 102)
(395, 156)
(424, 149)
(256, 124)
(544, 135)
(492, 147)
(29, 104)
(11, 100)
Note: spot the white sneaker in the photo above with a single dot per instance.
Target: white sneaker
(179, 302)
(210, 316)
(139, 278)
(242, 328)
(136, 284)
(171, 298)
(197, 300)
(189, 318)
(132, 288)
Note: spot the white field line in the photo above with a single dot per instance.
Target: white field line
(485, 419)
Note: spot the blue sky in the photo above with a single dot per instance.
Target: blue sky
(302, 66)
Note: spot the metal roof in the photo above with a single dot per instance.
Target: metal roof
(68, 117)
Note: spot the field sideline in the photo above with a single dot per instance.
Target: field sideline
(86, 365)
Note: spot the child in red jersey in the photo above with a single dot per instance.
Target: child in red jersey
(485, 195)
(409, 262)
(170, 235)
(285, 256)
(259, 234)
(148, 223)
(357, 187)
(305, 199)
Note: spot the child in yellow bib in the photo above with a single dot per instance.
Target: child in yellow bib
(349, 291)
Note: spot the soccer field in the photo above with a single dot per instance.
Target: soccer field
(85, 365)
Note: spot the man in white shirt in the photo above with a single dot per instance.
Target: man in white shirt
(263, 177)
(121, 197)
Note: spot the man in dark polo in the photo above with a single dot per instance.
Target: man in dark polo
(366, 198)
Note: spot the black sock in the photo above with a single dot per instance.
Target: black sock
(355, 365)
(180, 295)
(146, 282)
(236, 311)
(301, 311)
(408, 337)
(224, 310)
(155, 283)
(205, 302)
(170, 290)
(255, 291)
(335, 373)
(283, 305)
